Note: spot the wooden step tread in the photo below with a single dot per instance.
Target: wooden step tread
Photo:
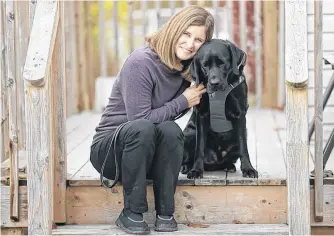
(200, 229)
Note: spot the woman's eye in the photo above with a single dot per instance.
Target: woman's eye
(186, 33)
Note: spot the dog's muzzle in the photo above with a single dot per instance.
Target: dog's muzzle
(217, 100)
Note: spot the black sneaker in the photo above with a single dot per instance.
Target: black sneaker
(132, 223)
(165, 224)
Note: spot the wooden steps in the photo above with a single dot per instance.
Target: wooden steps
(213, 229)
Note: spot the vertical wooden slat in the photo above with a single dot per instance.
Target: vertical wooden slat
(297, 118)
(81, 33)
(318, 113)
(258, 52)
(22, 28)
(12, 107)
(172, 7)
(4, 93)
(89, 55)
(185, 3)
(58, 121)
(72, 78)
(130, 22)
(116, 35)
(103, 51)
(270, 52)
(215, 6)
(143, 6)
(36, 68)
(281, 54)
(32, 8)
(230, 19)
(157, 8)
(243, 25)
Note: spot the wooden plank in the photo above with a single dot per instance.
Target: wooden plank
(40, 166)
(41, 45)
(318, 114)
(184, 229)
(5, 205)
(270, 153)
(270, 52)
(296, 118)
(82, 132)
(14, 231)
(78, 157)
(58, 150)
(12, 85)
(80, 30)
(4, 151)
(227, 205)
(328, 7)
(328, 207)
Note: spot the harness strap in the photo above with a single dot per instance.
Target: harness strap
(217, 100)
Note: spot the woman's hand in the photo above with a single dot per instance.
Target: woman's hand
(194, 94)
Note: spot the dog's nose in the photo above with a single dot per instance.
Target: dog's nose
(214, 80)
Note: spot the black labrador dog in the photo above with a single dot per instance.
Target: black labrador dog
(212, 144)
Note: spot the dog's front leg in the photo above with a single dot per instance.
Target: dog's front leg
(202, 126)
(246, 166)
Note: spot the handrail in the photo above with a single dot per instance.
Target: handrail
(42, 38)
(39, 157)
(296, 67)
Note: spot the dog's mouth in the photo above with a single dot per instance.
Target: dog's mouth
(214, 88)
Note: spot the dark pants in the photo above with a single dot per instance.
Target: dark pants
(145, 150)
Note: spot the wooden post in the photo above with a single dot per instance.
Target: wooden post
(318, 114)
(12, 85)
(58, 121)
(37, 98)
(297, 117)
(270, 54)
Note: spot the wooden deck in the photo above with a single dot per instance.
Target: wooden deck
(266, 144)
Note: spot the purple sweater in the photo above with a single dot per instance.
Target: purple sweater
(145, 88)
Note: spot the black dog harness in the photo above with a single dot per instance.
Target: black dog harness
(217, 100)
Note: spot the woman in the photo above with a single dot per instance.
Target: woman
(137, 137)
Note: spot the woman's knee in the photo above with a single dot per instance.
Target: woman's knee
(142, 129)
(170, 130)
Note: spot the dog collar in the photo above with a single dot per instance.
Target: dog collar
(217, 100)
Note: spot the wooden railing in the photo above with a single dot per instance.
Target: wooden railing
(45, 118)
(297, 151)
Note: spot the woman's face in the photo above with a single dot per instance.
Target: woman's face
(190, 41)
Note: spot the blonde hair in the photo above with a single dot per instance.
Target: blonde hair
(163, 41)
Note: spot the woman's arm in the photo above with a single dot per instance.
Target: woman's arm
(136, 87)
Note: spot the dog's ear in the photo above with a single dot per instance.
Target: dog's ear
(238, 58)
(196, 71)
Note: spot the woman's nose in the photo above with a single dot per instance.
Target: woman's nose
(190, 43)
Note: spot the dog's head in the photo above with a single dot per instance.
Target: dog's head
(217, 64)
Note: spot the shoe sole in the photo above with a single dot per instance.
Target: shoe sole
(120, 224)
(162, 229)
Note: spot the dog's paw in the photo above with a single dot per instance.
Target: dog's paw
(185, 169)
(249, 172)
(229, 167)
(195, 174)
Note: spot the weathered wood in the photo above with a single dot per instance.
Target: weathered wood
(37, 95)
(318, 113)
(82, 64)
(297, 118)
(22, 32)
(130, 23)
(12, 85)
(103, 51)
(258, 51)
(184, 229)
(270, 52)
(4, 105)
(41, 44)
(227, 205)
(5, 205)
(72, 84)
(58, 121)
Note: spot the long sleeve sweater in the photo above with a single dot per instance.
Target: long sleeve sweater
(145, 88)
